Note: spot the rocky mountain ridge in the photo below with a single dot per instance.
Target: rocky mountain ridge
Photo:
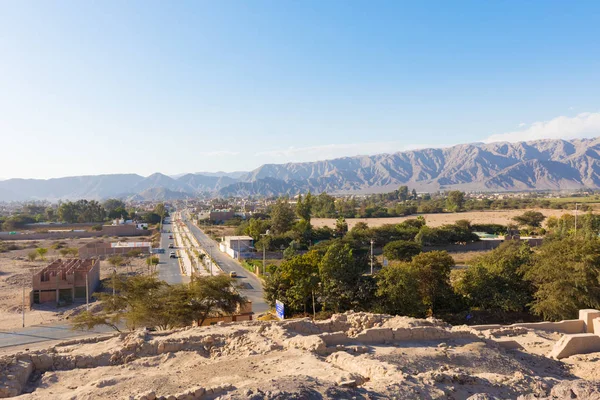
(502, 166)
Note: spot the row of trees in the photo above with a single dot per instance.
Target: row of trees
(82, 211)
(553, 282)
(289, 226)
(404, 201)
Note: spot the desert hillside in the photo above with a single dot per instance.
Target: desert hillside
(352, 355)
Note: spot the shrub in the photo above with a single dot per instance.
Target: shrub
(403, 250)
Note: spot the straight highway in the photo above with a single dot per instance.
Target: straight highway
(168, 268)
(252, 285)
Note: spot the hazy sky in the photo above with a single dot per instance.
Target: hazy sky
(89, 87)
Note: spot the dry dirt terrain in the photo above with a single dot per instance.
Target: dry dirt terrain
(16, 272)
(350, 356)
(476, 217)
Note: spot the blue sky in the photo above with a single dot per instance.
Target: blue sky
(89, 87)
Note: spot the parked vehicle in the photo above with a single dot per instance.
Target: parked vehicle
(233, 274)
(170, 236)
(171, 246)
(172, 255)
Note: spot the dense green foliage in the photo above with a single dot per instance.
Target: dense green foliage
(495, 281)
(532, 219)
(402, 250)
(552, 281)
(146, 301)
(566, 276)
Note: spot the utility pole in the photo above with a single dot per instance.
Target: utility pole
(87, 293)
(23, 306)
(211, 260)
(313, 299)
(113, 285)
(372, 256)
(576, 204)
(264, 243)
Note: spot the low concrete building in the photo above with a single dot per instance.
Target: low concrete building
(65, 281)
(220, 216)
(104, 249)
(236, 245)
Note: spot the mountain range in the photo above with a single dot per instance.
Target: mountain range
(502, 166)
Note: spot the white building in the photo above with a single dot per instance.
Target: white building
(233, 245)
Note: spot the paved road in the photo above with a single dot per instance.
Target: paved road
(42, 333)
(168, 268)
(254, 290)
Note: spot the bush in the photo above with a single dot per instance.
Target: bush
(494, 229)
(402, 250)
(97, 228)
(134, 253)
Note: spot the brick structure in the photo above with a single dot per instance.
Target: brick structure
(220, 216)
(66, 281)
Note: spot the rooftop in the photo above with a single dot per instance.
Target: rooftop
(66, 267)
(238, 238)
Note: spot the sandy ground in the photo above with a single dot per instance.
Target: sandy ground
(16, 272)
(476, 217)
(370, 357)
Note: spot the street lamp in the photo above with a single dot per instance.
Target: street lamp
(210, 246)
(264, 246)
(372, 241)
(576, 205)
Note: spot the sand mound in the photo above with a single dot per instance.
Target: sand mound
(352, 355)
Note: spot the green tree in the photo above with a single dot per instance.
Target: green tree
(403, 250)
(256, 228)
(531, 219)
(112, 204)
(341, 277)
(67, 212)
(294, 282)
(396, 291)
(212, 296)
(303, 232)
(495, 281)
(147, 301)
(433, 274)
(403, 193)
(42, 251)
(323, 206)
(455, 200)
(341, 226)
(116, 260)
(282, 217)
(50, 214)
(304, 208)
(161, 210)
(566, 275)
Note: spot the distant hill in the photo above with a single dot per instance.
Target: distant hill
(537, 165)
